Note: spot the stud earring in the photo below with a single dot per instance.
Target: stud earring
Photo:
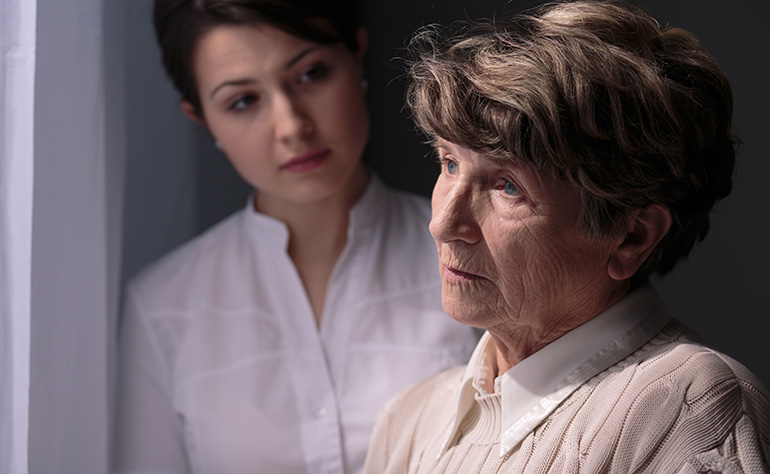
(217, 144)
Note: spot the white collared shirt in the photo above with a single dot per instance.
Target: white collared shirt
(533, 388)
(225, 371)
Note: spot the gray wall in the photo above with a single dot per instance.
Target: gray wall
(177, 184)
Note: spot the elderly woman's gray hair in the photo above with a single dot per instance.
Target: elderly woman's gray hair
(629, 112)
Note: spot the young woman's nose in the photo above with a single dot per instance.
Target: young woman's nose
(291, 121)
(454, 215)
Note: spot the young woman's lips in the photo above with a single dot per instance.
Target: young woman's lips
(306, 161)
(454, 274)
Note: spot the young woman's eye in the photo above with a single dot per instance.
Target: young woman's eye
(510, 188)
(243, 102)
(316, 73)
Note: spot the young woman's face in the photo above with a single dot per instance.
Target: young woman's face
(290, 114)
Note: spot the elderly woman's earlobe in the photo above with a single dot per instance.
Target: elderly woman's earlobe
(645, 228)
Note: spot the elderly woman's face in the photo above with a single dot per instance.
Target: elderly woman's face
(510, 250)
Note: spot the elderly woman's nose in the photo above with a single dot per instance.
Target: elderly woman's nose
(290, 120)
(454, 217)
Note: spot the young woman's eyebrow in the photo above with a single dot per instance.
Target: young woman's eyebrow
(233, 82)
(302, 54)
(245, 82)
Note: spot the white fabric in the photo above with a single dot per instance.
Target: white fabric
(17, 79)
(225, 371)
(60, 138)
(534, 387)
(78, 200)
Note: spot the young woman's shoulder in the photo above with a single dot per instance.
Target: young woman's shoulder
(213, 250)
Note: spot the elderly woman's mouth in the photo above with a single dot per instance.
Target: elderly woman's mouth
(455, 274)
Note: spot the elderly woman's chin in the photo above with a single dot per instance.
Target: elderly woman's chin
(468, 311)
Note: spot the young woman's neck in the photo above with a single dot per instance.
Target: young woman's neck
(318, 234)
(315, 226)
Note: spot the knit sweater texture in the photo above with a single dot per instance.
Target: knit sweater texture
(672, 406)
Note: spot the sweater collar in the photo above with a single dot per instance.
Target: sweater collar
(532, 389)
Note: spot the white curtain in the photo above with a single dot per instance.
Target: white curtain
(61, 104)
(17, 73)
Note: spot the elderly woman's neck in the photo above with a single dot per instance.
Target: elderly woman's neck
(516, 342)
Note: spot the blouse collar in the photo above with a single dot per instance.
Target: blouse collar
(363, 216)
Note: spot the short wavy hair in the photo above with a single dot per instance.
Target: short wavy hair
(596, 93)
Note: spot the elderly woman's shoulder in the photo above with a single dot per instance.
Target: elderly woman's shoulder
(678, 368)
(418, 396)
(414, 422)
(676, 391)
(677, 357)
(432, 398)
(673, 402)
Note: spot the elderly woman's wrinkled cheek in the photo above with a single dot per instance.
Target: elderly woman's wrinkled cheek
(529, 281)
(544, 273)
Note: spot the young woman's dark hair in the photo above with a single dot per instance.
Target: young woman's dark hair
(179, 24)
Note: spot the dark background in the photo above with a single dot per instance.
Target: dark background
(178, 184)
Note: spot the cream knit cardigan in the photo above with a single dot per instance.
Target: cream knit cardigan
(672, 406)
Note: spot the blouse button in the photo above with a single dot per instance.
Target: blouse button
(319, 412)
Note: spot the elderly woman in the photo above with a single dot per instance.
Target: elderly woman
(582, 150)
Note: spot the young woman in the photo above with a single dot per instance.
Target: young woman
(269, 343)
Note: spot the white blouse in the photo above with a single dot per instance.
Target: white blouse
(223, 369)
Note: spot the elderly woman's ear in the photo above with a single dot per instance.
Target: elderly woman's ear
(645, 228)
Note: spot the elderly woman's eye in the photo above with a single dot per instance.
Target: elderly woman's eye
(510, 188)
(451, 166)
